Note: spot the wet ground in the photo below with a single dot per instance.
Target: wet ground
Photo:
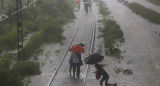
(142, 47)
(49, 59)
(147, 4)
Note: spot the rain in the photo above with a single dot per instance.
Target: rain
(79, 42)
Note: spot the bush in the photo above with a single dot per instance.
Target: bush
(35, 41)
(111, 33)
(28, 68)
(156, 2)
(102, 10)
(12, 76)
(35, 19)
(9, 40)
(147, 13)
(8, 76)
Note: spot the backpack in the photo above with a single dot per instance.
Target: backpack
(98, 75)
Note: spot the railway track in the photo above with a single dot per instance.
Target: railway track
(59, 64)
(90, 51)
(51, 81)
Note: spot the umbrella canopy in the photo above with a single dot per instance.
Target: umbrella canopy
(94, 58)
(77, 49)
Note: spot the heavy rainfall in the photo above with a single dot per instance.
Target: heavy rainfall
(79, 42)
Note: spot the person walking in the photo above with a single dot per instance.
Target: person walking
(90, 4)
(100, 71)
(75, 59)
(78, 3)
(76, 65)
(86, 5)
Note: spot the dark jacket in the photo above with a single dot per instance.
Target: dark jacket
(80, 60)
(101, 70)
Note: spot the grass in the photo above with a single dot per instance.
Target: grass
(155, 2)
(112, 36)
(57, 52)
(8, 41)
(146, 13)
(51, 33)
(125, 71)
(47, 26)
(111, 33)
(12, 76)
(103, 10)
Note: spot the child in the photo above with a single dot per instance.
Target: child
(102, 72)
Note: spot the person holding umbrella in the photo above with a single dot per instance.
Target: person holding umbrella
(93, 59)
(75, 60)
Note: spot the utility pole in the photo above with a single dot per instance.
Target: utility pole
(19, 29)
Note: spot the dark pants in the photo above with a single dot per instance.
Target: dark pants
(106, 80)
(76, 68)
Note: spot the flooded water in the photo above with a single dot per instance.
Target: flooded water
(142, 47)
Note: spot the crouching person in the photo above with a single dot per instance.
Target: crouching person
(101, 72)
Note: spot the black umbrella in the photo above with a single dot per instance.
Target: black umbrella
(93, 58)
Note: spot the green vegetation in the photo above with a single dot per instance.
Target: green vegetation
(45, 35)
(28, 68)
(118, 70)
(111, 33)
(156, 2)
(12, 76)
(45, 20)
(8, 41)
(147, 13)
(125, 71)
(113, 37)
(103, 10)
(46, 24)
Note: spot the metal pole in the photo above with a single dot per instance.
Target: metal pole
(19, 30)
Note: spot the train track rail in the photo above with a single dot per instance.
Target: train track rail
(90, 51)
(59, 64)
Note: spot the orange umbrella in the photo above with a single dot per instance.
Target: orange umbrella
(77, 49)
